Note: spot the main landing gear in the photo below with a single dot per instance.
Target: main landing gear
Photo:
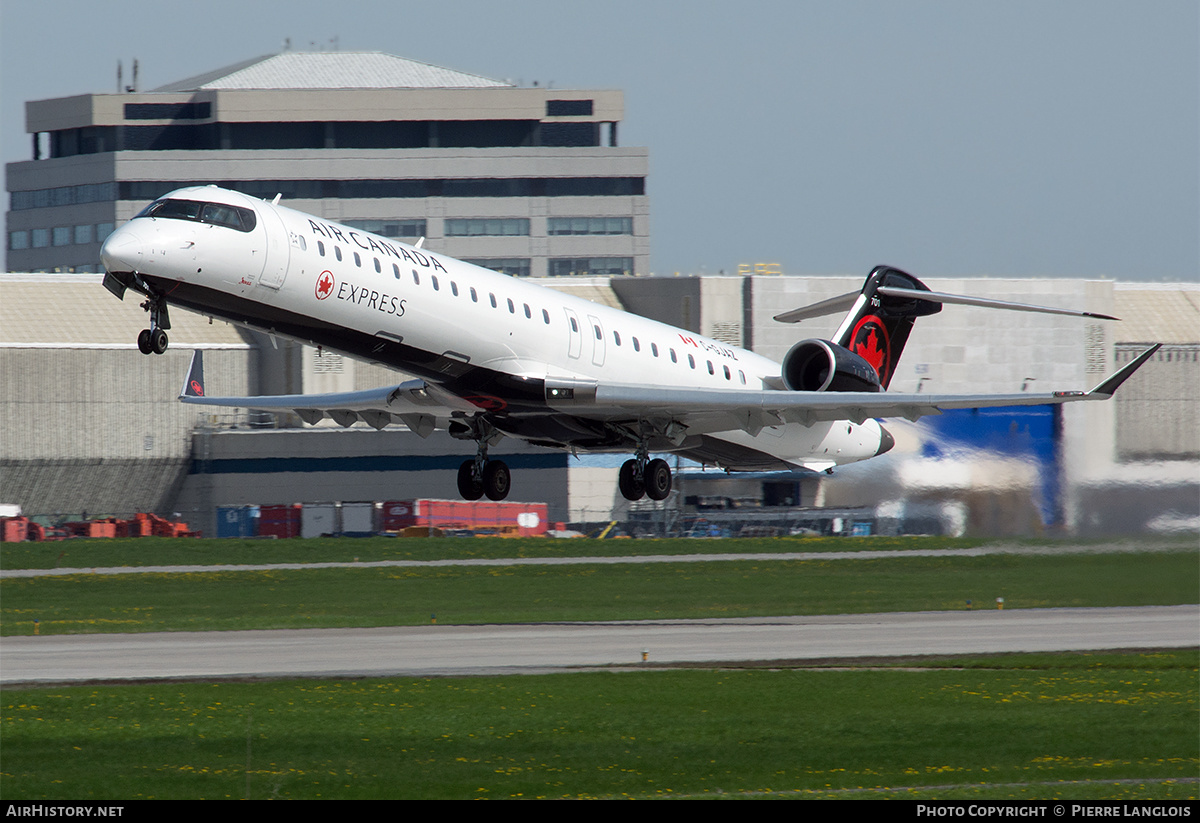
(480, 477)
(154, 339)
(641, 477)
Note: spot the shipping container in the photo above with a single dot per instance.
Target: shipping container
(279, 521)
(237, 521)
(505, 518)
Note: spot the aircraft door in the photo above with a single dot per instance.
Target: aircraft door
(597, 340)
(278, 248)
(574, 334)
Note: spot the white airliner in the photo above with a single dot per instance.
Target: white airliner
(496, 355)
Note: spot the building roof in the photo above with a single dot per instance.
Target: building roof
(89, 317)
(1157, 313)
(332, 70)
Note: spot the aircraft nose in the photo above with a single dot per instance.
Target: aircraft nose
(886, 441)
(122, 251)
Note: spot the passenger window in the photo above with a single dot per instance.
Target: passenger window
(654, 349)
(416, 277)
(357, 260)
(574, 327)
(337, 252)
(528, 313)
(691, 361)
(546, 316)
(492, 297)
(617, 337)
(674, 359)
(727, 374)
(742, 375)
(396, 271)
(378, 268)
(636, 345)
(435, 283)
(599, 336)
(710, 368)
(454, 288)
(474, 296)
(511, 308)
(320, 248)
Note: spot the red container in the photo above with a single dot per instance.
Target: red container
(479, 516)
(14, 529)
(279, 521)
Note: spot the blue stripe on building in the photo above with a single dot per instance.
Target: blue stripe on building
(370, 463)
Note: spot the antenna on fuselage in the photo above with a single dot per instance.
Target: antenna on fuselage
(419, 243)
(275, 200)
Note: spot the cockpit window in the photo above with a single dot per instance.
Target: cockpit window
(217, 214)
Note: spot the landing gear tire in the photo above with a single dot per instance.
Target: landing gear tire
(630, 481)
(159, 341)
(469, 486)
(657, 479)
(143, 341)
(497, 480)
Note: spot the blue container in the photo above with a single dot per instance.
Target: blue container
(237, 521)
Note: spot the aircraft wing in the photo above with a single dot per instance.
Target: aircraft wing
(422, 406)
(708, 411)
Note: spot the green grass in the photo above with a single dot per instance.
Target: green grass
(201, 601)
(156, 551)
(1022, 726)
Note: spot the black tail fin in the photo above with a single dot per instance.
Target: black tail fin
(193, 384)
(878, 325)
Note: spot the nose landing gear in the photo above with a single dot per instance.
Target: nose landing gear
(154, 340)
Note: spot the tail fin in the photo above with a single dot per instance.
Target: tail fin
(193, 384)
(878, 324)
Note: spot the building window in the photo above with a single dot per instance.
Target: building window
(18, 240)
(40, 237)
(488, 227)
(103, 230)
(84, 234)
(62, 235)
(390, 228)
(558, 226)
(512, 266)
(569, 108)
(596, 266)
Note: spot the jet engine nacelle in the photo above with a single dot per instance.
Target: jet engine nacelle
(819, 365)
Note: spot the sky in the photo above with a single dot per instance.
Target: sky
(1054, 138)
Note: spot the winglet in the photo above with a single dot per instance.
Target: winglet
(1110, 386)
(193, 384)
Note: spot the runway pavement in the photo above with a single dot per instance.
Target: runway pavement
(465, 650)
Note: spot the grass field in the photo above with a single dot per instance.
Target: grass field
(159, 551)
(1018, 726)
(1076, 726)
(349, 597)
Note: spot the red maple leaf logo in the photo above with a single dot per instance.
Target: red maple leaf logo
(870, 351)
(197, 388)
(324, 285)
(870, 342)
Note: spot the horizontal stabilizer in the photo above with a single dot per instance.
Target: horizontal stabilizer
(840, 303)
(963, 300)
